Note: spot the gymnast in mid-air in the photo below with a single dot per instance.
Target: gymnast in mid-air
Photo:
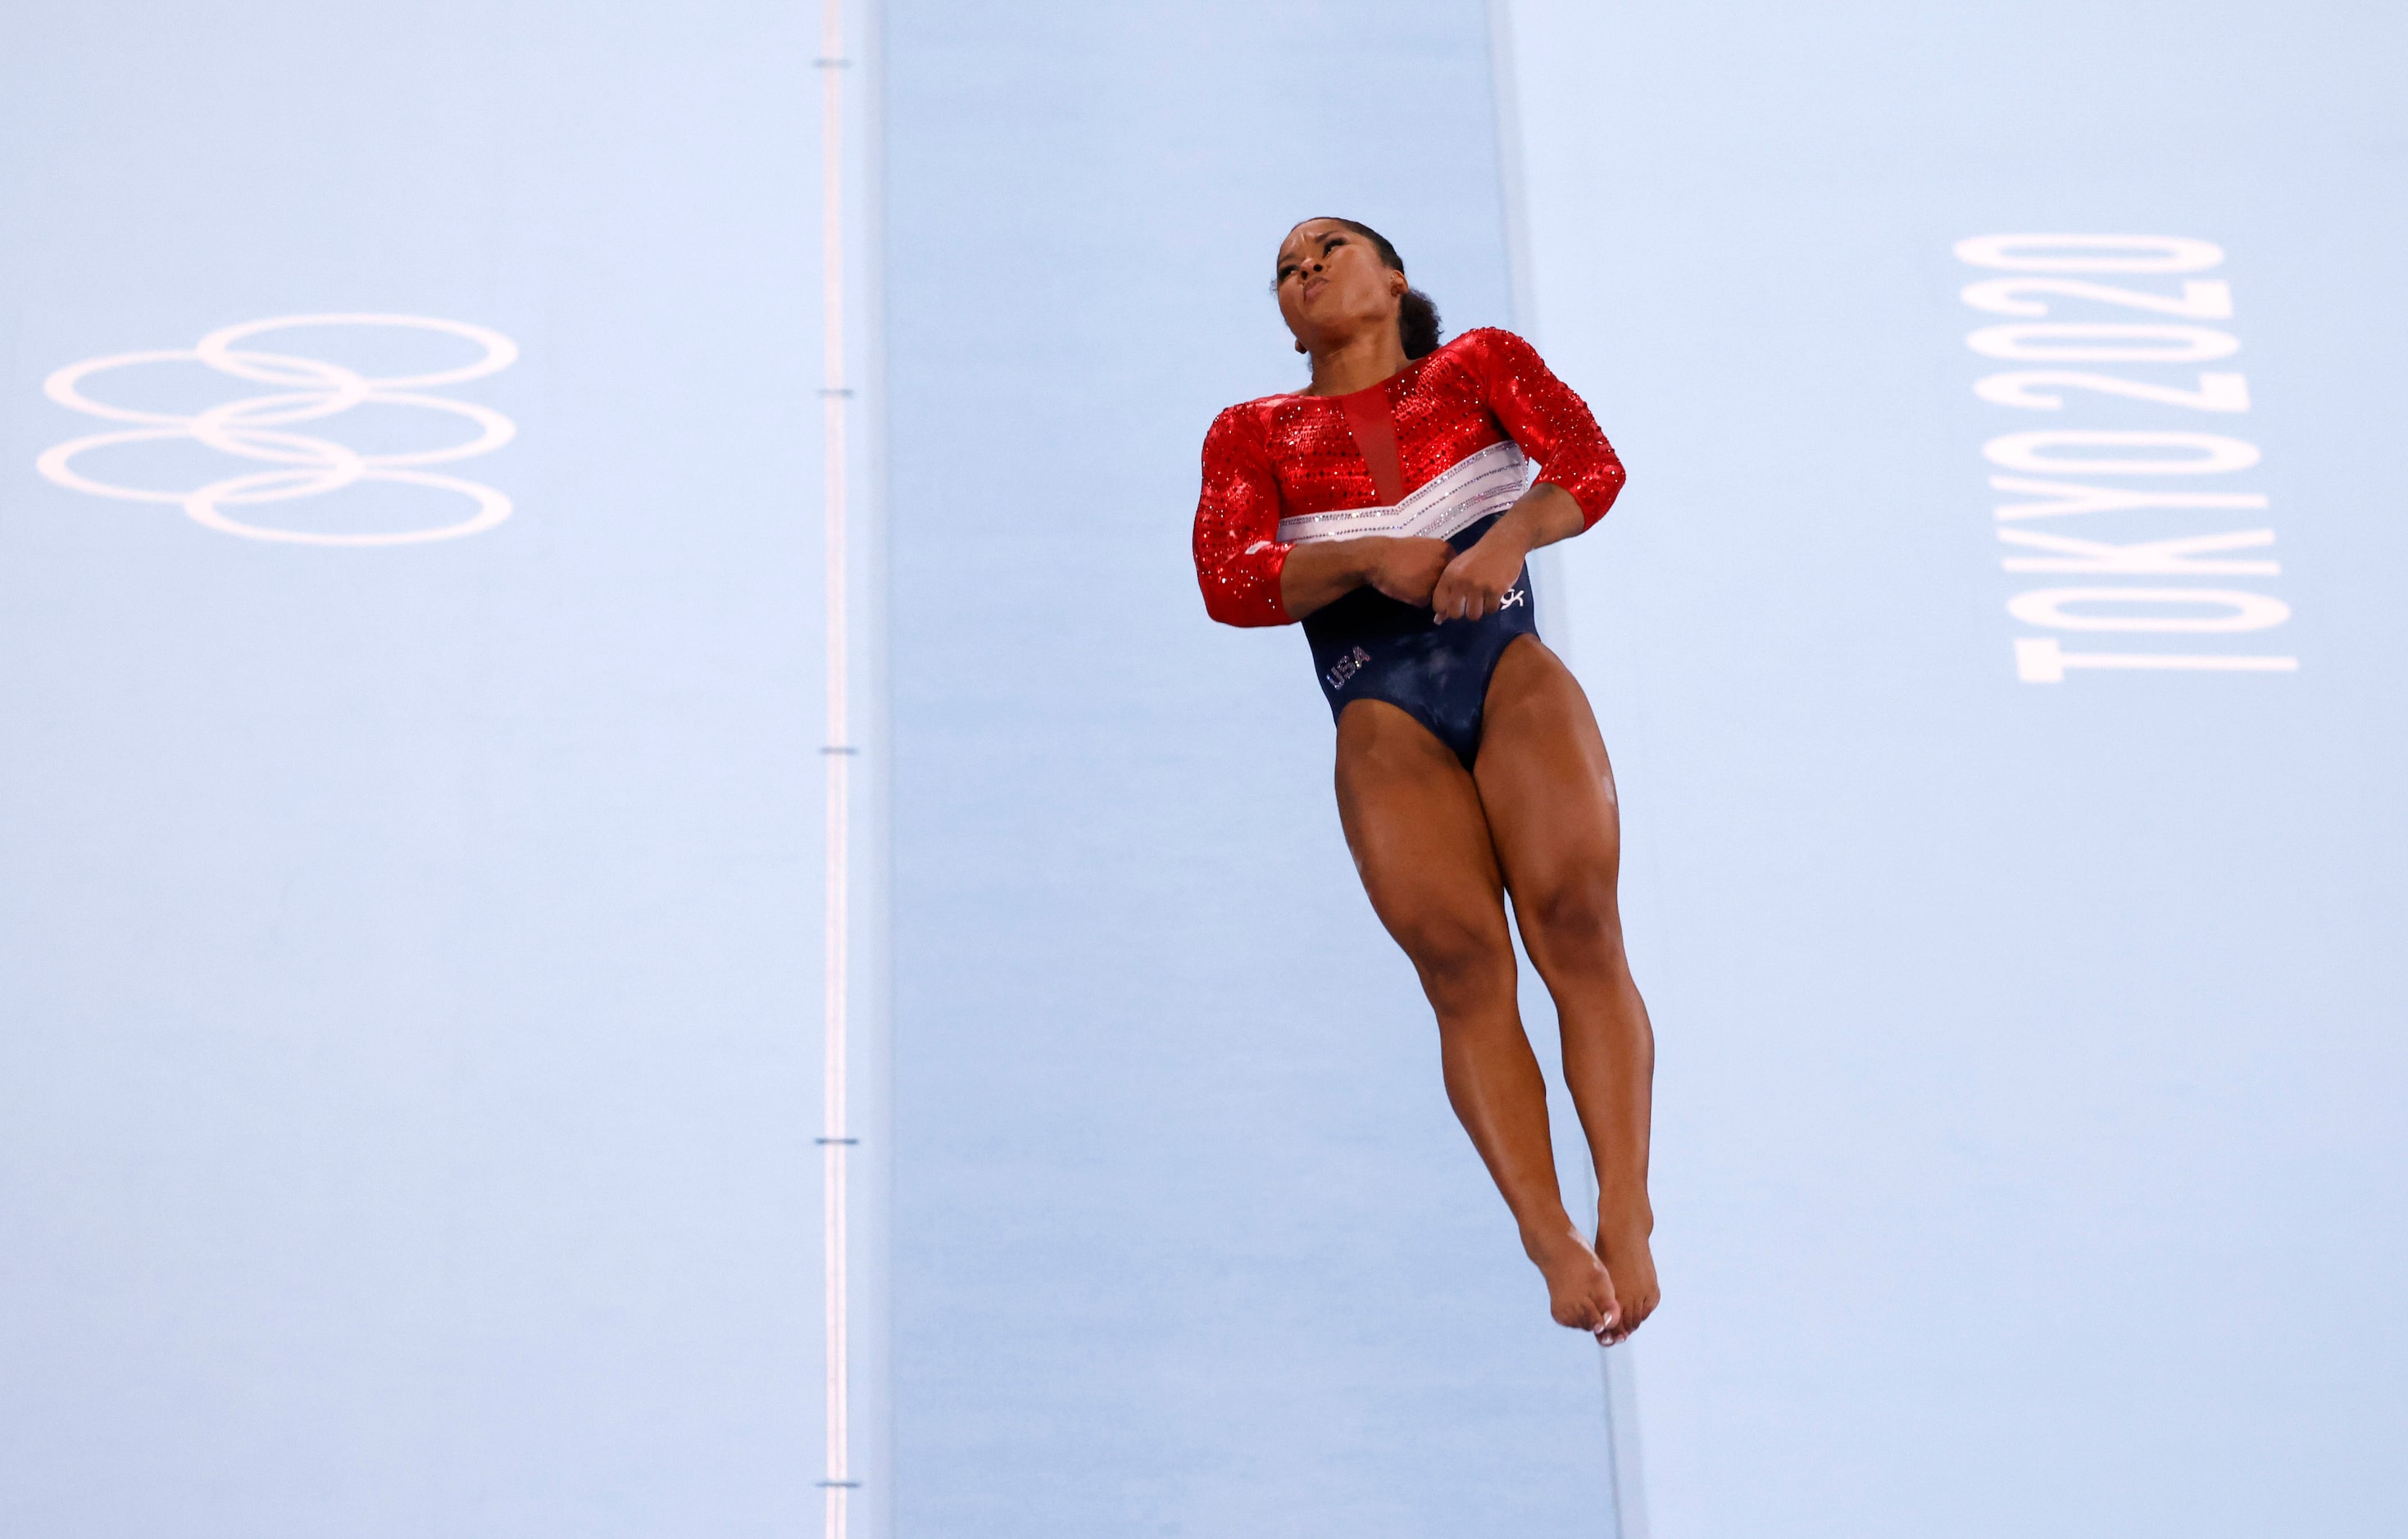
(1390, 507)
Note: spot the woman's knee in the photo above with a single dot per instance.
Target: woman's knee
(1463, 962)
(1573, 921)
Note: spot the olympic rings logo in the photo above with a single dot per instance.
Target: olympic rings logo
(256, 429)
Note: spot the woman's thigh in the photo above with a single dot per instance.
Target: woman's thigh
(1546, 789)
(1414, 824)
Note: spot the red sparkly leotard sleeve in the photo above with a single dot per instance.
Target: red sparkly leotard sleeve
(1289, 455)
(1238, 552)
(1550, 422)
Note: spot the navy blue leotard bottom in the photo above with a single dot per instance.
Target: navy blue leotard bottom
(1367, 645)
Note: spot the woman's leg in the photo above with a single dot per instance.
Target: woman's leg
(1413, 822)
(1547, 792)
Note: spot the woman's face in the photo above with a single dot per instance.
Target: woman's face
(1332, 283)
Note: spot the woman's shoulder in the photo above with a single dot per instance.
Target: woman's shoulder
(1482, 343)
(1248, 419)
(1241, 433)
(1260, 408)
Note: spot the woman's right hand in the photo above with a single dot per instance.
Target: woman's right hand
(1407, 568)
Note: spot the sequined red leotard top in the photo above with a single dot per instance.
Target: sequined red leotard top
(1287, 455)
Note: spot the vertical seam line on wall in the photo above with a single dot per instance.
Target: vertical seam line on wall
(1621, 1402)
(837, 751)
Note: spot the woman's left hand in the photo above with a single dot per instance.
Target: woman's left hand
(1475, 584)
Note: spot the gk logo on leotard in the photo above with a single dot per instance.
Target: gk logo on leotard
(1513, 596)
(296, 465)
(1347, 667)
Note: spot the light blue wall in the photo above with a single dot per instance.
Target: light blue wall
(409, 956)
(2031, 1072)
(1187, 1239)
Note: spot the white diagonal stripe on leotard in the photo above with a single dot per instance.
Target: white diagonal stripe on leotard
(1464, 494)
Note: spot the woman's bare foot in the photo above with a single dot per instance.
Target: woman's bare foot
(1622, 1245)
(1580, 1292)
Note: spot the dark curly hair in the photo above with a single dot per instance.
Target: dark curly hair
(1416, 312)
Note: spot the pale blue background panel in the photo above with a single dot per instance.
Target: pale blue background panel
(2031, 1064)
(1187, 1240)
(408, 981)
(410, 953)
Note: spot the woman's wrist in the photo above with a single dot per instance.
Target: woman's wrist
(1517, 531)
(1545, 514)
(1368, 554)
(1320, 574)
